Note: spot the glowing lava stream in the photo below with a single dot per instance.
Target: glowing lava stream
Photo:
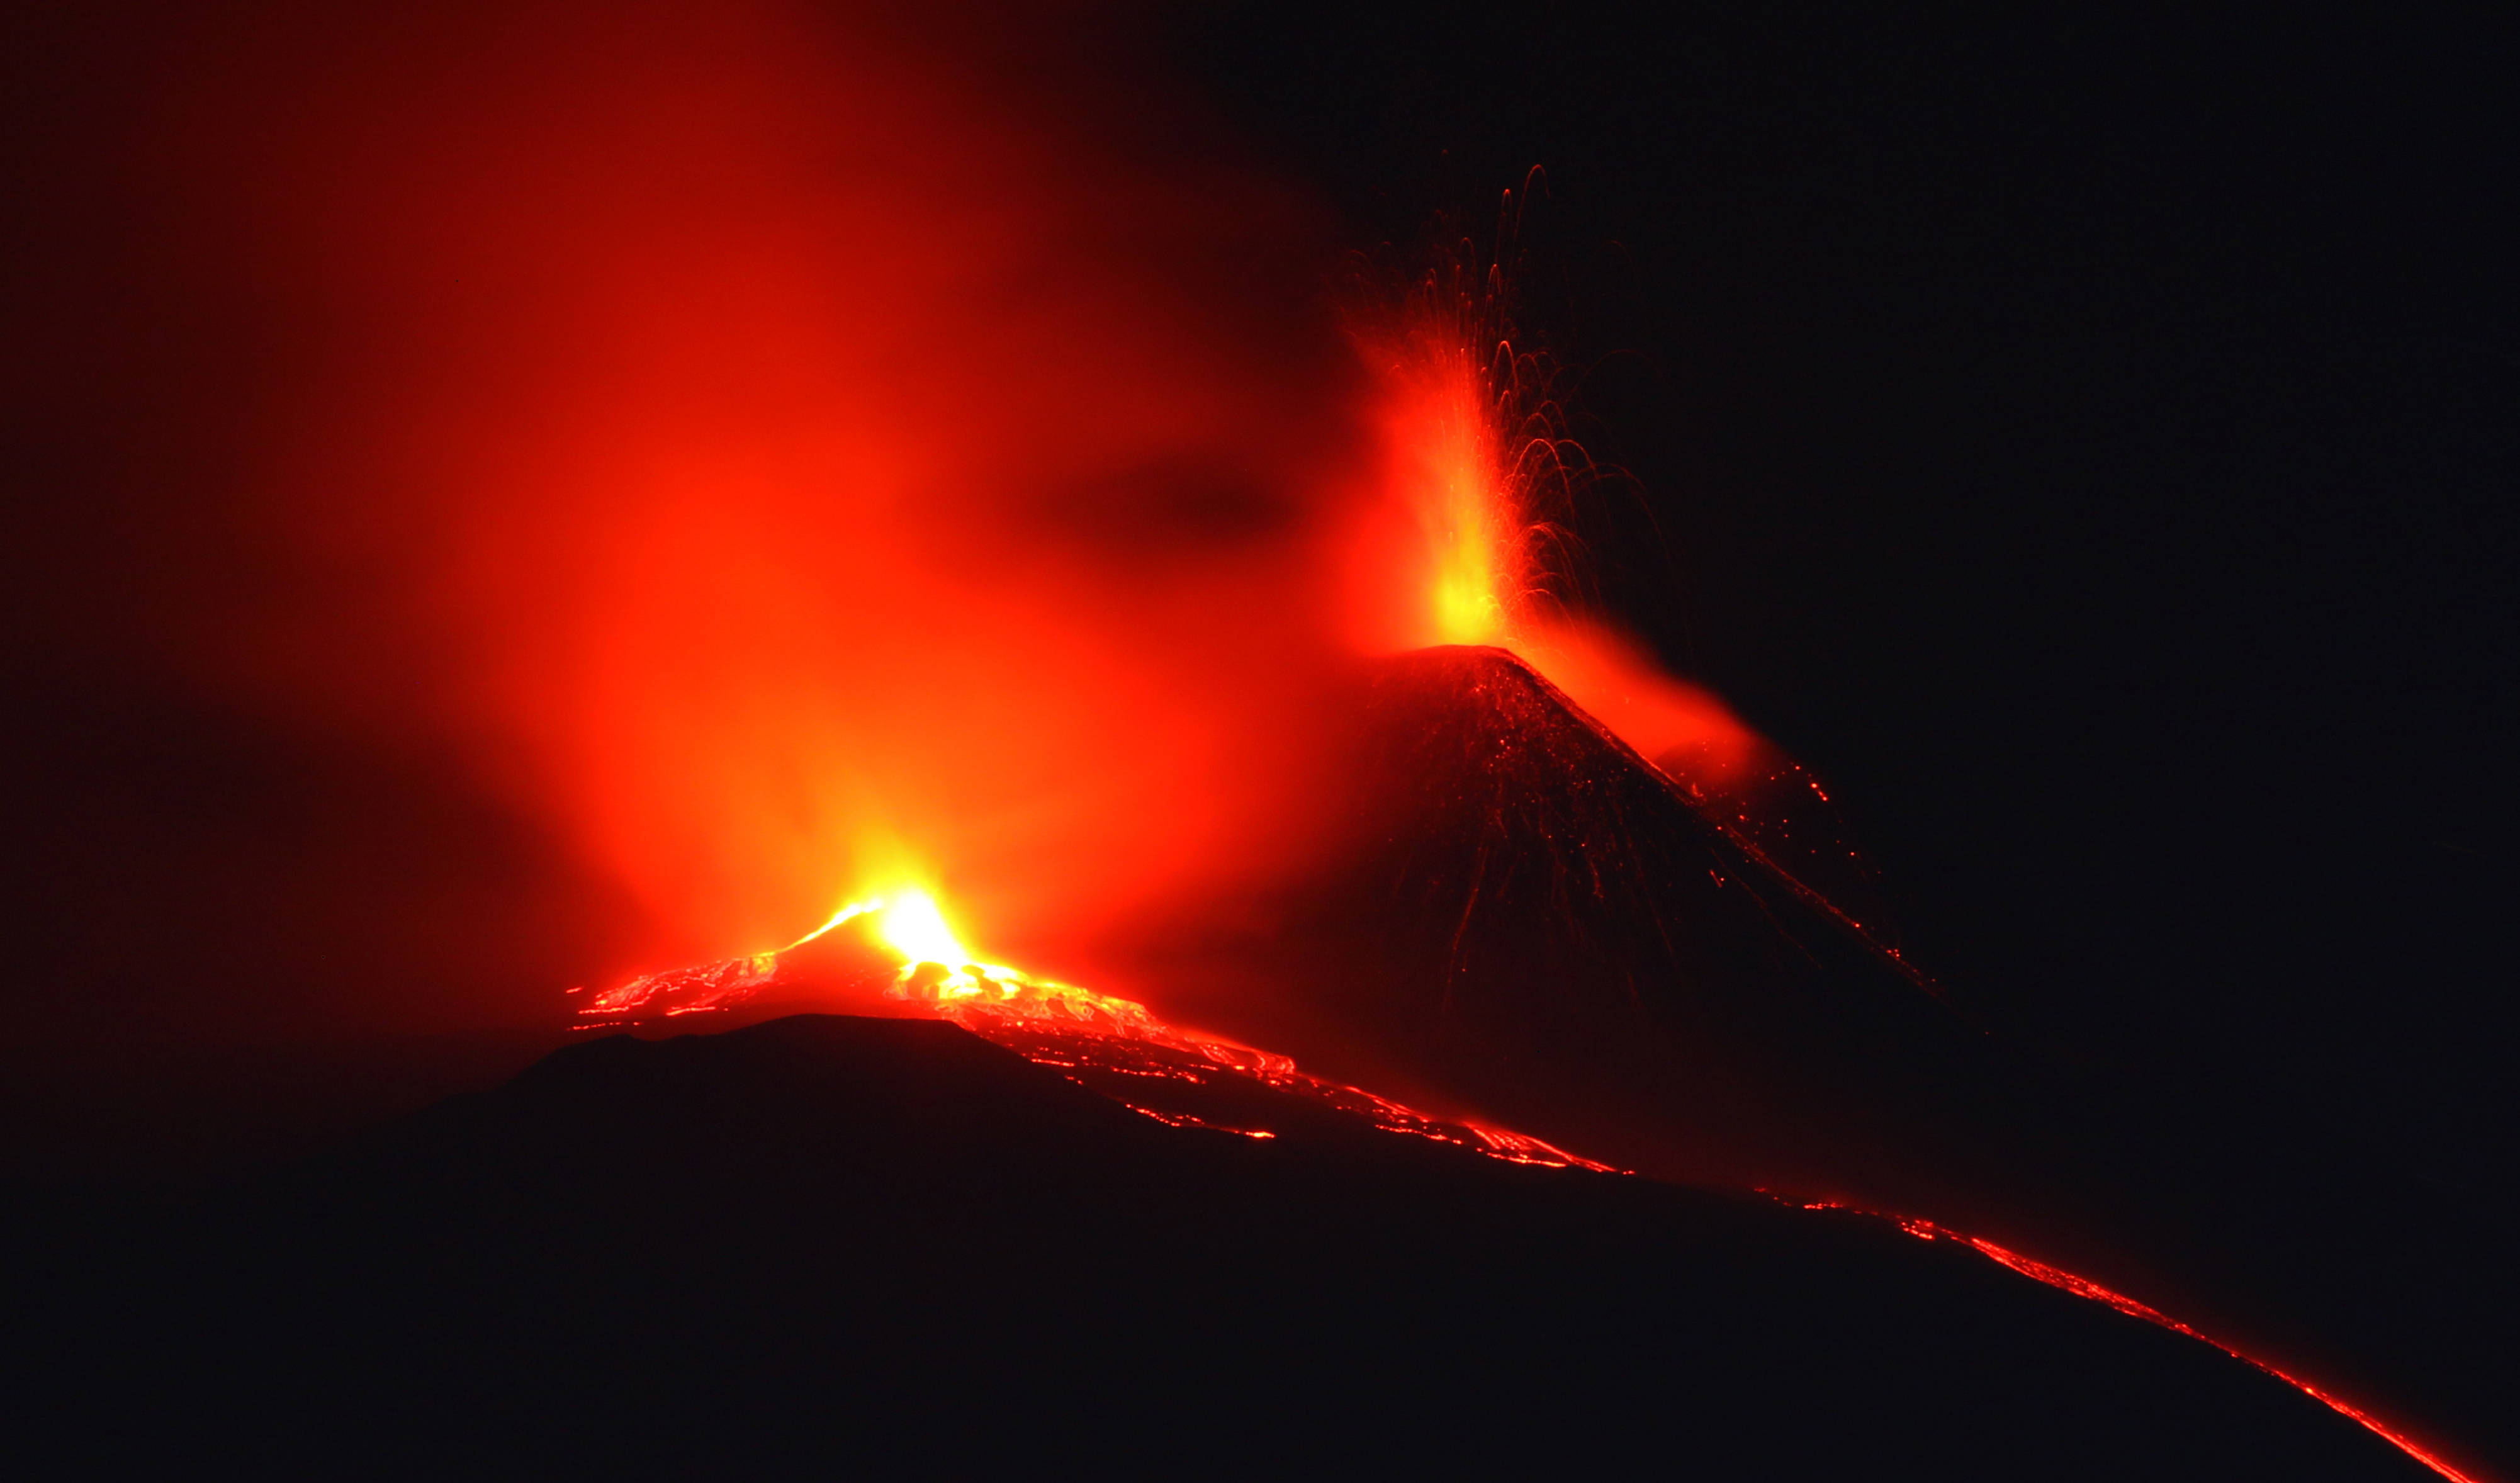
(2084, 1287)
(903, 943)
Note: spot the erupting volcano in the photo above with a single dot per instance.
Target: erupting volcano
(770, 463)
(1536, 918)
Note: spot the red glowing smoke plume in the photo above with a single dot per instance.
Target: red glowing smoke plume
(787, 453)
(795, 454)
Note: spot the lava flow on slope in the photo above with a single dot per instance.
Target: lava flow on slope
(894, 954)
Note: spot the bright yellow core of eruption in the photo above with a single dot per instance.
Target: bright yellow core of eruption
(914, 927)
(908, 922)
(1465, 511)
(1467, 607)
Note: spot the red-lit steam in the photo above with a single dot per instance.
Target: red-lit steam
(797, 456)
(788, 455)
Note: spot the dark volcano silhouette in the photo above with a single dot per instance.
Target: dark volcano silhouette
(888, 1246)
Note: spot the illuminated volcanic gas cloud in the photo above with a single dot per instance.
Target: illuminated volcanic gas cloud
(788, 453)
(798, 455)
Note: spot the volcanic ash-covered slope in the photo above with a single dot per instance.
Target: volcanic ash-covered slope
(884, 1246)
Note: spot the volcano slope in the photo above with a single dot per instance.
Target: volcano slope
(888, 1246)
(1533, 925)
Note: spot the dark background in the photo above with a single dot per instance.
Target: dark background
(2088, 442)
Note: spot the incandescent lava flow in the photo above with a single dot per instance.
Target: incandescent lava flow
(894, 955)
